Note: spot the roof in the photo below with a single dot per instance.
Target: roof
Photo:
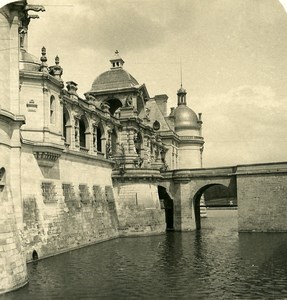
(185, 118)
(28, 61)
(113, 79)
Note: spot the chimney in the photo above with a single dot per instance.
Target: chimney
(161, 101)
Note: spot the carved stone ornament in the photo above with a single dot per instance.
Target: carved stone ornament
(129, 101)
(156, 125)
(46, 158)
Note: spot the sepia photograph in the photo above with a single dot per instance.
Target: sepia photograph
(143, 149)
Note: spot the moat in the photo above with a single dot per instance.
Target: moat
(214, 263)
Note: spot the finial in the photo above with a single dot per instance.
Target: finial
(44, 66)
(56, 70)
(43, 58)
(57, 60)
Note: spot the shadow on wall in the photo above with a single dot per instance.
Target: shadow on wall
(166, 203)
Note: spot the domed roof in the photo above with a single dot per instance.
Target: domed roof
(28, 61)
(116, 78)
(185, 118)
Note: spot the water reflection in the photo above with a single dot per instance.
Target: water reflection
(214, 263)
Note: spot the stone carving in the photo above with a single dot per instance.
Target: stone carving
(121, 160)
(95, 138)
(36, 8)
(56, 70)
(129, 101)
(44, 67)
(138, 162)
(147, 112)
(22, 31)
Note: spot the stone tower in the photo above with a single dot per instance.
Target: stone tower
(187, 126)
(14, 20)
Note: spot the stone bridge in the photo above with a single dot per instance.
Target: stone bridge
(260, 189)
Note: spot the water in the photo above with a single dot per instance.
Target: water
(215, 263)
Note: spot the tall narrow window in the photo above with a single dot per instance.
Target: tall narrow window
(52, 110)
(82, 133)
(66, 126)
(99, 139)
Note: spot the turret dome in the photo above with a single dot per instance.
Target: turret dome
(185, 118)
(114, 79)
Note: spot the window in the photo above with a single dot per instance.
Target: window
(52, 110)
(99, 139)
(82, 129)
(48, 192)
(68, 192)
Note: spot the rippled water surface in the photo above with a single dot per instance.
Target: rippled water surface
(215, 263)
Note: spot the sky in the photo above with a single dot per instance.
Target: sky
(232, 52)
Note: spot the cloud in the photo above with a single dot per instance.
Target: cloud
(250, 127)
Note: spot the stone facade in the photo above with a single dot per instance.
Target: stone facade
(76, 171)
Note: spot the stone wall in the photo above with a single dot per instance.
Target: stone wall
(12, 263)
(262, 200)
(138, 208)
(67, 205)
(13, 272)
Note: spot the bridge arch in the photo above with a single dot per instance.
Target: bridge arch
(196, 201)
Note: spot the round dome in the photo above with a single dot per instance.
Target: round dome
(185, 118)
(28, 61)
(113, 79)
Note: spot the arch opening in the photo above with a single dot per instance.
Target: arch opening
(82, 132)
(167, 204)
(211, 193)
(114, 105)
(100, 138)
(35, 255)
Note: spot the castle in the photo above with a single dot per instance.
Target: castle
(75, 171)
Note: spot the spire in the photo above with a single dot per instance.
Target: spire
(117, 62)
(180, 74)
(181, 93)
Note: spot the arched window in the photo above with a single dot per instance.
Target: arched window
(82, 132)
(52, 110)
(100, 135)
(66, 126)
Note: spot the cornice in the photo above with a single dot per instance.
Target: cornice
(40, 76)
(10, 117)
